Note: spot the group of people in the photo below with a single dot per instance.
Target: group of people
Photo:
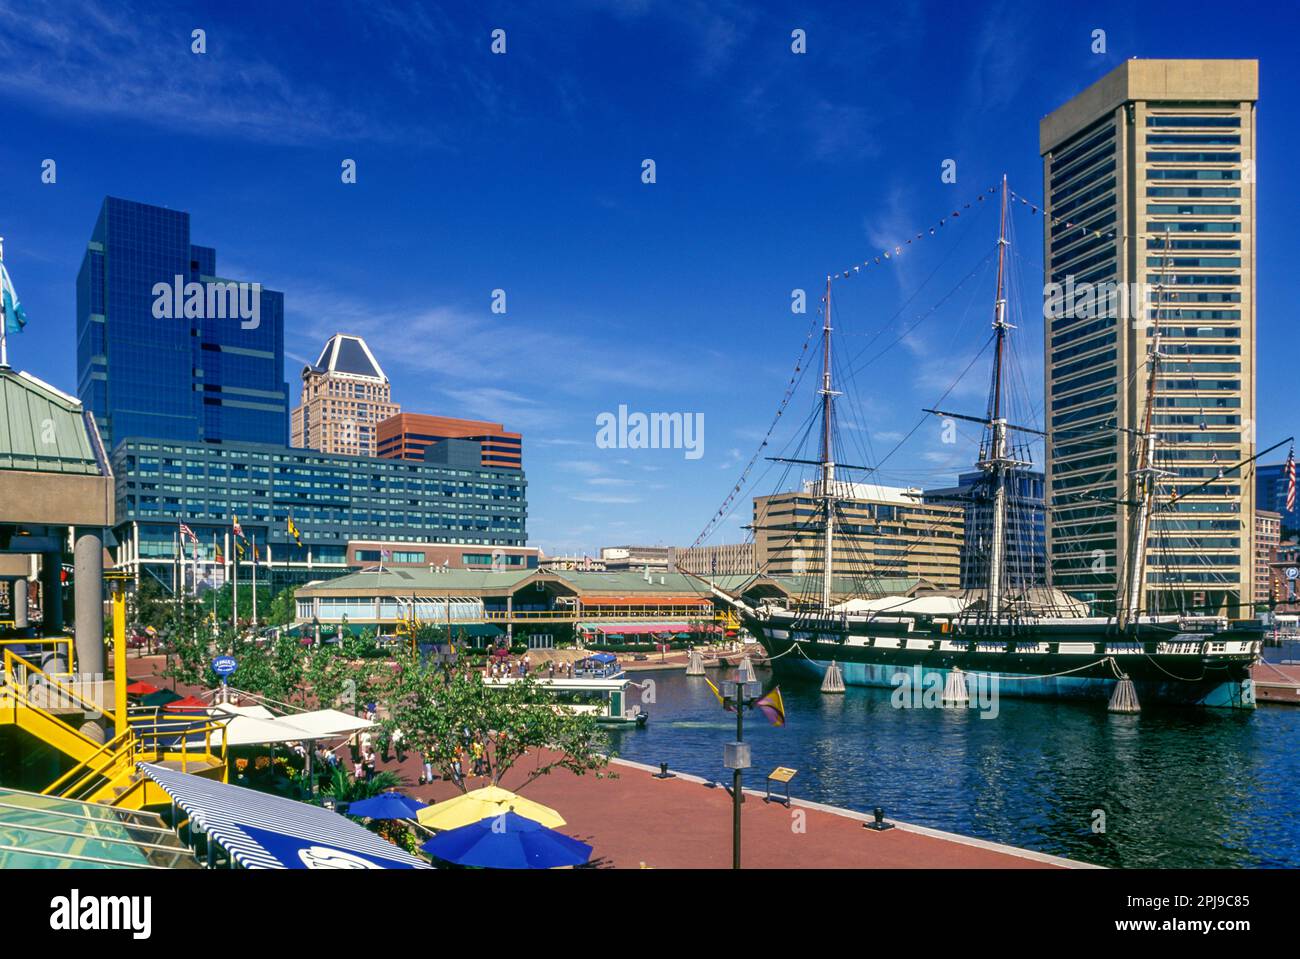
(365, 750)
(503, 668)
(472, 747)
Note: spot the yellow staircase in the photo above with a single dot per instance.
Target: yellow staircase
(104, 772)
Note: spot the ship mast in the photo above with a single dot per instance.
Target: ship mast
(996, 463)
(1147, 474)
(827, 461)
(996, 460)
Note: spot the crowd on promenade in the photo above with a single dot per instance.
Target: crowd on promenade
(503, 668)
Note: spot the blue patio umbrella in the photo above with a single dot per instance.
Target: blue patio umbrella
(389, 805)
(508, 841)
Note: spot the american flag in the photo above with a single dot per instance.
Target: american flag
(1290, 481)
(189, 533)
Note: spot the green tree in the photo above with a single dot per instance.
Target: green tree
(344, 674)
(436, 707)
(282, 610)
(187, 641)
(274, 668)
(344, 789)
(151, 607)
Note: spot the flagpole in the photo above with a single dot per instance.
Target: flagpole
(253, 539)
(234, 597)
(4, 319)
(176, 591)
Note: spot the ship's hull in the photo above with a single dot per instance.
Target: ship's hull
(1055, 661)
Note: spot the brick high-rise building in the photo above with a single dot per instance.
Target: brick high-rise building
(406, 435)
(1268, 537)
(345, 396)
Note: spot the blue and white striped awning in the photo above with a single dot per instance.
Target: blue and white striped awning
(262, 831)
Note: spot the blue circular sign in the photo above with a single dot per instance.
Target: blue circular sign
(224, 665)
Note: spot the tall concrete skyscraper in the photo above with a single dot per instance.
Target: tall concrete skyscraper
(1149, 183)
(166, 348)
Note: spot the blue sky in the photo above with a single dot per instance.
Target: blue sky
(522, 172)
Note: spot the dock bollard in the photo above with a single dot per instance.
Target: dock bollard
(954, 688)
(879, 825)
(833, 681)
(1125, 698)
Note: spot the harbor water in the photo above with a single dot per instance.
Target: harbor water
(1166, 787)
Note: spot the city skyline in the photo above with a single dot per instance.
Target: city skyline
(665, 297)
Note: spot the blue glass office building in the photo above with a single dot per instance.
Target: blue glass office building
(1026, 531)
(1270, 494)
(203, 371)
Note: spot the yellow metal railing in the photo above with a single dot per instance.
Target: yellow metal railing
(70, 784)
(114, 763)
(101, 767)
(111, 747)
(18, 670)
(69, 648)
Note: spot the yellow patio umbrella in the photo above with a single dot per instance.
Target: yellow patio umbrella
(479, 804)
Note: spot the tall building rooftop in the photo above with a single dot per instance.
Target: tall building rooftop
(349, 355)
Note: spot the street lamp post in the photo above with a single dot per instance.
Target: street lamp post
(736, 756)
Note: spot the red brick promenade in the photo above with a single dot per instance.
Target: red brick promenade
(679, 823)
(1276, 683)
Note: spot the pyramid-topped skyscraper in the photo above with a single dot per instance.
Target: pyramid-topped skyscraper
(344, 397)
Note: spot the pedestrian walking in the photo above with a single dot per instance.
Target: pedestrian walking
(368, 764)
(398, 748)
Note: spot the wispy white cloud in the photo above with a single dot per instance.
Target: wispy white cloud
(605, 498)
(129, 62)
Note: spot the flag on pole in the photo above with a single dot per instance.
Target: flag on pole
(239, 530)
(1290, 480)
(293, 531)
(772, 706)
(189, 533)
(239, 549)
(15, 315)
(717, 692)
(221, 560)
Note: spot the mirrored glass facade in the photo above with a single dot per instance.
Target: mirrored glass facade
(166, 347)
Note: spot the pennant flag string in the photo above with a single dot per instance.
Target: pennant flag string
(726, 508)
(897, 250)
(1035, 207)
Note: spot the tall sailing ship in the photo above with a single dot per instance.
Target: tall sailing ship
(1021, 641)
